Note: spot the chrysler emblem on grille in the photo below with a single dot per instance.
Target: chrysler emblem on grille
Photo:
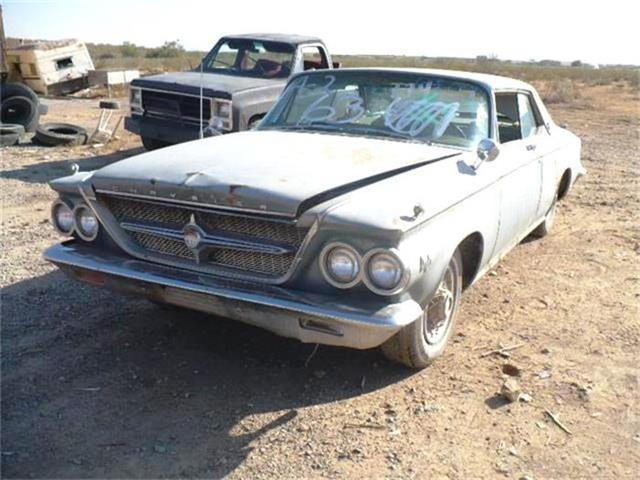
(192, 234)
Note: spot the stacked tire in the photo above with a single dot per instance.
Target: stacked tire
(20, 111)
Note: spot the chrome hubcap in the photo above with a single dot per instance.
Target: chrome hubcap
(438, 314)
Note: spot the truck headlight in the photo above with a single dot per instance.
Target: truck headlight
(340, 265)
(86, 222)
(223, 109)
(385, 272)
(135, 100)
(62, 217)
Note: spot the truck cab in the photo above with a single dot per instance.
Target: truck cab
(234, 87)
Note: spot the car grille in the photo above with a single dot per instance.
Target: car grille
(175, 105)
(140, 213)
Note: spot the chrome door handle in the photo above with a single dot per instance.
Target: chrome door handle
(531, 148)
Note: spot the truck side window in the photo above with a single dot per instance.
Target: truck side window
(314, 58)
(508, 117)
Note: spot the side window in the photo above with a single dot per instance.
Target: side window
(528, 124)
(508, 117)
(314, 58)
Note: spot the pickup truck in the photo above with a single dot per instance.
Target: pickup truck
(240, 79)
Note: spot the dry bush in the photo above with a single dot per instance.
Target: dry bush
(560, 91)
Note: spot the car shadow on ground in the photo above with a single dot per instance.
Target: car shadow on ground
(43, 172)
(96, 384)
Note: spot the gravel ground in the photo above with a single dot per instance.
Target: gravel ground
(98, 385)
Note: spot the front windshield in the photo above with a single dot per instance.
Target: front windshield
(250, 58)
(399, 105)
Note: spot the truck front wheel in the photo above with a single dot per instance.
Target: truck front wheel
(153, 144)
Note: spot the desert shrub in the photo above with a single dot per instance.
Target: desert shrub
(560, 91)
(128, 50)
(167, 50)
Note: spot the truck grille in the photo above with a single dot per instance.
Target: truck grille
(141, 219)
(175, 105)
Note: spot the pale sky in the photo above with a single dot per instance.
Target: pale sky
(596, 32)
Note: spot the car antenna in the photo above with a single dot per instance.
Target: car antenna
(201, 73)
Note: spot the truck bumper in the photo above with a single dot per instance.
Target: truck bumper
(307, 317)
(165, 130)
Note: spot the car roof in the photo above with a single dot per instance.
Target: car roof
(278, 37)
(494, 82)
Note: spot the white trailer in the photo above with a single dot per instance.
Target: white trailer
(49, 67)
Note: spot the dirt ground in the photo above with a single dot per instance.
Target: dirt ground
(98, 385)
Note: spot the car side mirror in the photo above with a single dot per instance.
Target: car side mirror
(487, 151)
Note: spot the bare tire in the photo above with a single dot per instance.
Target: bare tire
(54, 134)
(20, 110)
(28, 107)
(420, 343)
(153, 144)
(545, 227)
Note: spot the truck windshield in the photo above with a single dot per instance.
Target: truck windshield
(402, 105)
(250, 58)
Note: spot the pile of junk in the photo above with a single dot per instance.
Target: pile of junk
(32, 67)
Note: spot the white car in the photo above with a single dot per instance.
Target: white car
(356, 214)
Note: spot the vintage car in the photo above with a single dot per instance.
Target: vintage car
(356, 214)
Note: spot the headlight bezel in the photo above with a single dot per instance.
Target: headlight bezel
(135, 100)
(217, 104)
(405, 273)
(326, 272)
(78, 209)
(54, 219)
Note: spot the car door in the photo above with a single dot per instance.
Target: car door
(547, 152)
(521, 175)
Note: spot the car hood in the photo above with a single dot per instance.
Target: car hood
(214, 84)
(281, 173)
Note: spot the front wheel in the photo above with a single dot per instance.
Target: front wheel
(420, 343)
(153, 144)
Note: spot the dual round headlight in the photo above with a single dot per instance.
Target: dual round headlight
(340, 265)
(62, 217)
(385, 271)
(81, 219)
(382, 270)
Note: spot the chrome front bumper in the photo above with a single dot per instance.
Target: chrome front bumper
(308, 317)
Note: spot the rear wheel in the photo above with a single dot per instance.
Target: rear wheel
(419, 344)
(153, 144)
(545, 227)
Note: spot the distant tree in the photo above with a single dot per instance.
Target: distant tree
(168, 49)
(576, 63)
(128, 49)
